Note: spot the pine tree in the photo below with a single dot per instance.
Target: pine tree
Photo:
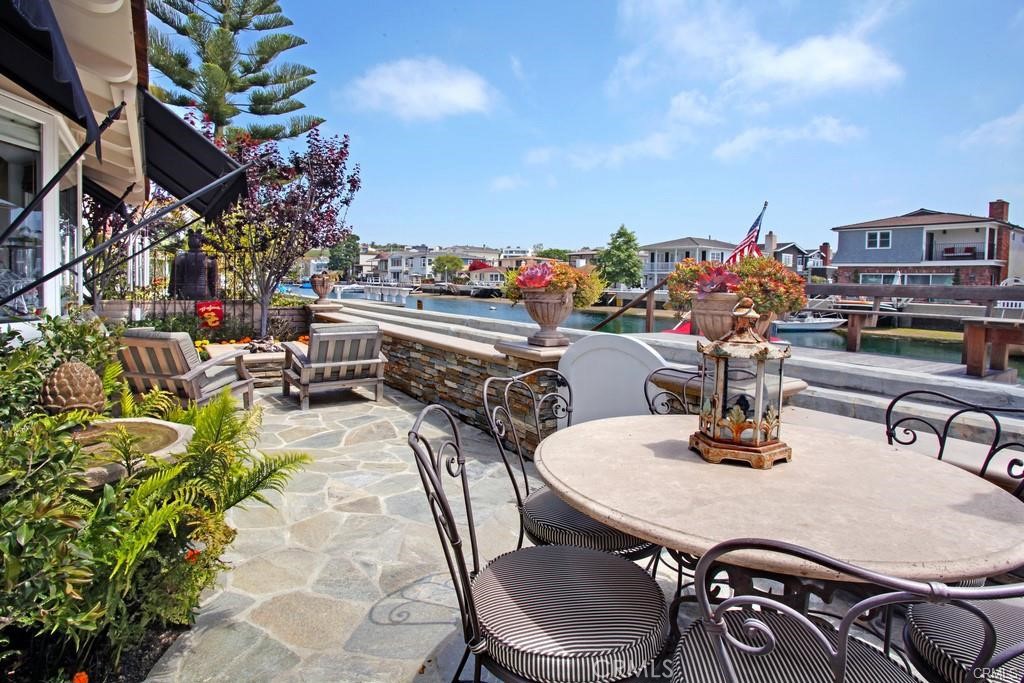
(211, 70)
(620, 262)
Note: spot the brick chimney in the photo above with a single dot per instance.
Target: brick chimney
(999, 210)
(826, 253)
(770, 242)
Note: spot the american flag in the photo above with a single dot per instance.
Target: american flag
(748, 245)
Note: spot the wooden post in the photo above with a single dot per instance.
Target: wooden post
(854, 323)
(975, 349)
(650, 313)
(872, 320)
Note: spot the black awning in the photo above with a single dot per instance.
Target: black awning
(181, 160)
(105, 198)
(34, 55)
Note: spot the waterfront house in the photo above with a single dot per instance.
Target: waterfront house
(518, 261)
(932, 248)
(661, 258)
(802, 261)
(584, 257)
(492, 276)
(65, 67)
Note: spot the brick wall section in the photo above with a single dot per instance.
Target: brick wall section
(982, 276)
(296, 316)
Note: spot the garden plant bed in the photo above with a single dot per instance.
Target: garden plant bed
(156, 438)
(264, 367)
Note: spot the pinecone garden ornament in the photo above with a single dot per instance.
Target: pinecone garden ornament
(73, 386)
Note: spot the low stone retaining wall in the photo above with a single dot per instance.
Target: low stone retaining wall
(297, 317)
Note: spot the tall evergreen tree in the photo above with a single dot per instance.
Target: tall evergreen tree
(620, 262)
(212, 70)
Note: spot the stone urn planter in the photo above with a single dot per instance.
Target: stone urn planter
(322, 285)
(549, 310)
(713, 315)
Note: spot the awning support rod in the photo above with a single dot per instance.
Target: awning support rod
(149, 246)
(127, 232)
(113, 115)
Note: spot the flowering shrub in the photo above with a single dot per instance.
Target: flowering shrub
(555, 277)
(772, 287)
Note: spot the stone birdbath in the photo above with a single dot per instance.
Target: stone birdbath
(156, 438)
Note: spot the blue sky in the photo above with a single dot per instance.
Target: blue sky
(554, 122)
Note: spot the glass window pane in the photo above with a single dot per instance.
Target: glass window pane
(942, 279)
(919, 279)
(21, 256)
(884, 239)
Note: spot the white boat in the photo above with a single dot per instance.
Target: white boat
(353, 288)
(808, 321)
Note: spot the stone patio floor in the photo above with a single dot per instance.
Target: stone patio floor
(342, 579)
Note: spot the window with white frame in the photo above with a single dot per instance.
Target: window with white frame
(787, 260)
(879, 239)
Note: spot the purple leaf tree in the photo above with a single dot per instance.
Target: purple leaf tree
(294, 204)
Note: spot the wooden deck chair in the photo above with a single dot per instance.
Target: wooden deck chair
(341, 355)
(169, 361)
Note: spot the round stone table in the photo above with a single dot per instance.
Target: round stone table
(860, 500)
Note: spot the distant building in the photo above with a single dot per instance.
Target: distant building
(492, 276)
(515, 252)
(932, 248)
(517, 261)
(803, 262)
(584, 257)
(661, 258)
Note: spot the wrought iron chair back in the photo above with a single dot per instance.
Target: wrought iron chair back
(897, 592)
(521, 411)
(662, 400)
(436, 459)
(903, 430)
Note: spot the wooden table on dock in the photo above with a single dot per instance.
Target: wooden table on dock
(979, 333)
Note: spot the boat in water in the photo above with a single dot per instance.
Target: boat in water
(808, 321)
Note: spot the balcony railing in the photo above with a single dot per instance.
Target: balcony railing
(957, 251)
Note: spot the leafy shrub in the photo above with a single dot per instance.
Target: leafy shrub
(555, 277)
(773, 287)
(281, 299)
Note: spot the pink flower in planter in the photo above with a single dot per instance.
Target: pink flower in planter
(718, 279)
(534, 276)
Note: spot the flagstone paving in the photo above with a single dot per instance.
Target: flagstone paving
(343, 578)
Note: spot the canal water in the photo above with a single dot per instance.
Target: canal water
(887, 346)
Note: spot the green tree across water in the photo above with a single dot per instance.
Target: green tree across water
(447, 264)
(210, 69)
(620, 262)
(345, 255)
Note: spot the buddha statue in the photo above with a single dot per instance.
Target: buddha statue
(193, 273)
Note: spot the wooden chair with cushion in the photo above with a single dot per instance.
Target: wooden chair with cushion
(754, 638)
(340, 356)
(169, 361)
(552, 613)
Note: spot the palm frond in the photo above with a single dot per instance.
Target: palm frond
(271, 473)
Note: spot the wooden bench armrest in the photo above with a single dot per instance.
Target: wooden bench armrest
(212, 363)
(344, 364)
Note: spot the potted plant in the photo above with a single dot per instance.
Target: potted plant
(322, 284)
(550, 292)
(710, 290)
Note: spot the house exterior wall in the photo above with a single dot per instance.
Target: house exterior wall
(665, 260)
(907, 247)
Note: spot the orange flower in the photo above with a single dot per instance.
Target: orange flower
(190, 556)
(80, 677)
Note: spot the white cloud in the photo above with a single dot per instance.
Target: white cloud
(821, 129)
(539, 155)
(690, 106)
(517, 68)
(505, 183)
(424, 88)
(1005, 131)
(713, 41)
(657, 145)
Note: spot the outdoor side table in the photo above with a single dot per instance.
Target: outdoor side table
(860, 500)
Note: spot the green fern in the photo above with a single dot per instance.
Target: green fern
(270, 473)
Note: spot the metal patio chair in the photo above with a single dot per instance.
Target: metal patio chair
(746, 638)
(169, 361)
(673, 390)
(551, 614)
(521, 411)
(341, 356)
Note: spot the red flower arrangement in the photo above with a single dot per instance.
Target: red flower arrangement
(772, 287)
(191, 555)
(535, 277)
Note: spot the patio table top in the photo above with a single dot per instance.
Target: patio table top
(882, 507)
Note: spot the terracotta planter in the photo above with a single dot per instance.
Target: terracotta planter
(712, 314)
(549, 310)
(322, 285)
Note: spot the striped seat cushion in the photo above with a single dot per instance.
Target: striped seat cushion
(556, 614)
(797, 657)
(948, 638)
(552, 521)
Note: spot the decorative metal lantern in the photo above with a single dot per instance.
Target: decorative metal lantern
(741, 395)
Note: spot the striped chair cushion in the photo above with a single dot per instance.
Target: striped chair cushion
(556, 614)
(554, 522)
(797, 657)
(948, 638)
